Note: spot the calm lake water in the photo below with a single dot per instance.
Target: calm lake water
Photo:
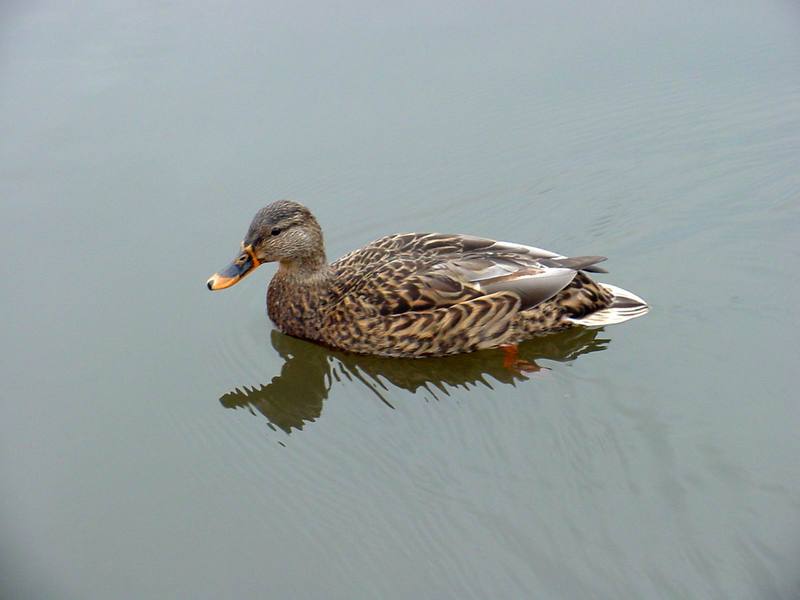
(160, 441)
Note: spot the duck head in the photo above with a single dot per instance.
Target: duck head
(283, 231)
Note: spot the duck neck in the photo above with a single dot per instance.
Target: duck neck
(297, 296)
(310, 271)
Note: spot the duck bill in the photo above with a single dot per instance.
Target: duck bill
(240, 268)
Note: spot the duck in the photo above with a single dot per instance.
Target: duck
(420, 294)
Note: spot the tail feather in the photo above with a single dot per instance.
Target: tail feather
(625, 306)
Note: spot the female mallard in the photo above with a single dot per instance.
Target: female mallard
(420, 294)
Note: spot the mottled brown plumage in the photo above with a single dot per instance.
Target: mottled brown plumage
(419, 294)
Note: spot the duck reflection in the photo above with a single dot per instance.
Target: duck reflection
(295, 397)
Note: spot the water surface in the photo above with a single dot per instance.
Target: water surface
(159, 441)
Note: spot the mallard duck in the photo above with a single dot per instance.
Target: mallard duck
(420, 294)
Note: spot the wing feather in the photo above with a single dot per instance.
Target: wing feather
(425, 271)
(533, 286)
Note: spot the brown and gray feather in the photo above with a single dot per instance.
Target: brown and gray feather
(419, 294)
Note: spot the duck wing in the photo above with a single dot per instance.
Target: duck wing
(533, 283)
(490, 266)
(420, 246)
(423, 271)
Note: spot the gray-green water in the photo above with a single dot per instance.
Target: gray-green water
(658, 458)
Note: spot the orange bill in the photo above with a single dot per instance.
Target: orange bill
(240, 267)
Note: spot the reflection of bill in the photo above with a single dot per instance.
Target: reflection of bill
(295, 397)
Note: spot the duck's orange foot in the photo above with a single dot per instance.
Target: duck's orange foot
(512, 362)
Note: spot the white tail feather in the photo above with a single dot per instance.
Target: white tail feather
(632, 306)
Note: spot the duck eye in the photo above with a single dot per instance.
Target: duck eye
(275, 230)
